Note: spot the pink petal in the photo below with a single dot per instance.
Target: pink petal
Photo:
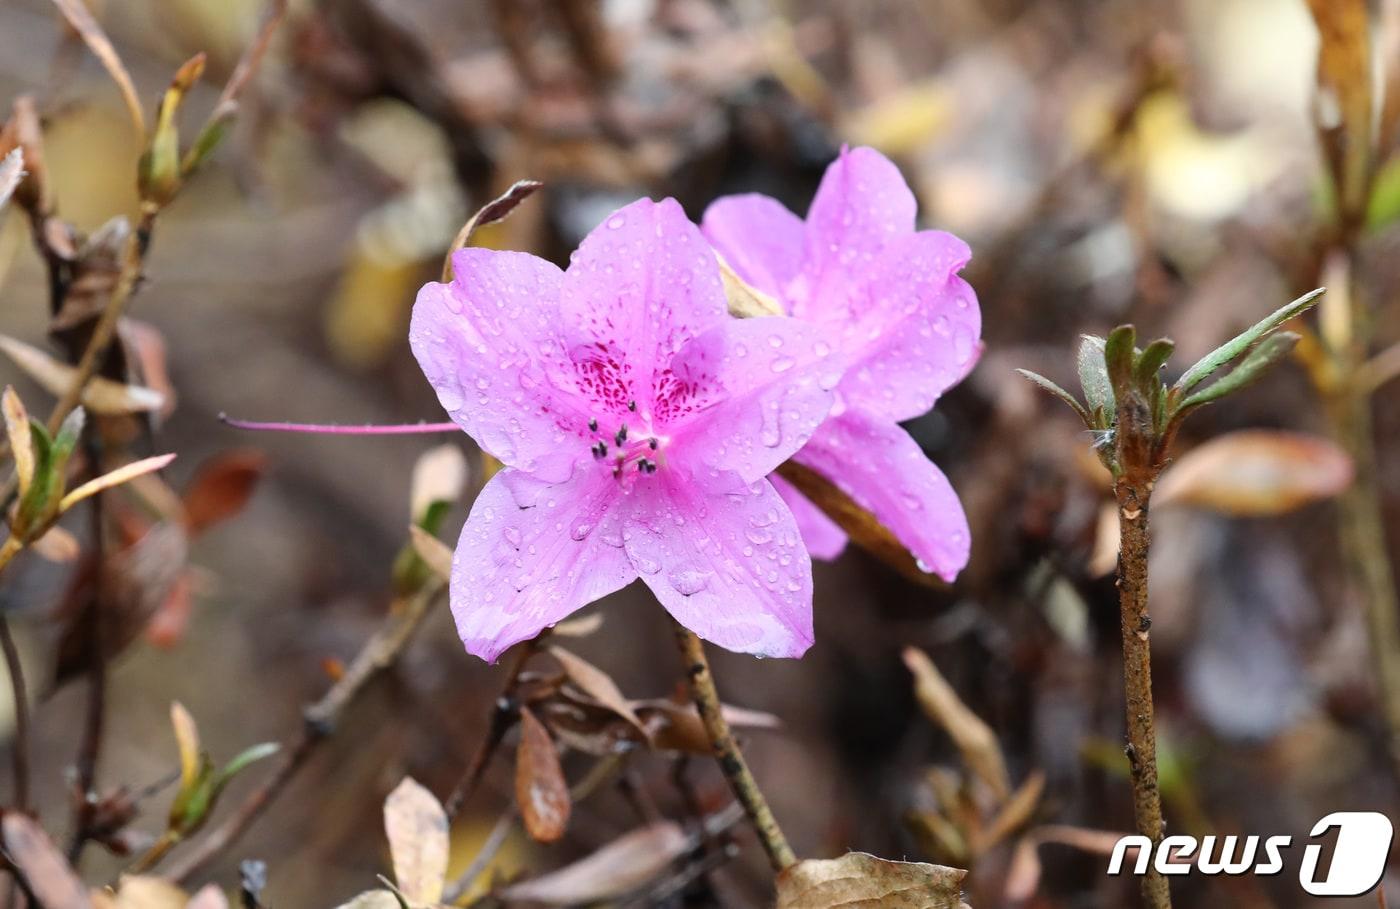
(726, 560)
(763, 386)
(531, 554)
(914, 330)
(488, 344)
(641, 284)
(759, 238)
(824, 537)
(862, 204)
(878, 465)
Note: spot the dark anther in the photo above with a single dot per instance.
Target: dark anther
(652, 443)
(600, 450)
(621, 435)
(632, 406)
(593, 425)
(645, 466)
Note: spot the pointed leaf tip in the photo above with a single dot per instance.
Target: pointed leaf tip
(1237, 345)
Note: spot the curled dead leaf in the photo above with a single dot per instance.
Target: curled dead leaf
(598, 685)
(745, 300)
(858, 880)
(416, 826)
(432, 551)
(1256, 473)
(221, 487)
(541, 792)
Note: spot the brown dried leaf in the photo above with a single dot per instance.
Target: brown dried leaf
(860, 525)
(858, 880)
(541, 793)
(417, 829)
(598, 685)
(146, 346)
(677, 727)
(100, 396)
(1256, 472)
(373, 899)
(221, 487)
(1344, 94)
(495, 210)
(432, 551)
(615, 870)
(745, 300)
(974, 738)
(54, 883)
(1015, 813)
(78, 16)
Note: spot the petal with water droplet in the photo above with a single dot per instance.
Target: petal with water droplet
(746, 596)
(885, 471)
(499, 595)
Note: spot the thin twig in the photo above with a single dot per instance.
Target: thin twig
(727, 753)
(95, 717)
(504, 711)
(378, 653)
(19, 748)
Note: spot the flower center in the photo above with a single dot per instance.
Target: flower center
(628, 450)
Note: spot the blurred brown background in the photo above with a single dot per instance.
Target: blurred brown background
(1108, 160)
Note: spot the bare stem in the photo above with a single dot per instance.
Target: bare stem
(379, 652)
(1137, 676)
(20, 746)
(727, 753)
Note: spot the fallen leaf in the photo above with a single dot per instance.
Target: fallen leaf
(432, 551)
(597, 684)
(221, 487)
(82, 21)
(974, 738)
(416, 826)
(541, 793)
(54, 883)
(615, 870)
(100, 396)
(858, 880)
(1256, 473)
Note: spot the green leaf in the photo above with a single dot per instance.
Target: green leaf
(245, 759)
(1118, 353)
(1093, 375)
(1058, 392)
(1237, 345)
(1259, 360)
(1153, 358)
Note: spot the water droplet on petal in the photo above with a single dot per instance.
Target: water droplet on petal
(616, 221)
(688, 580)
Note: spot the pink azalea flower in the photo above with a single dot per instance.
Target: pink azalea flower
(890, 298)
(637, 421)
